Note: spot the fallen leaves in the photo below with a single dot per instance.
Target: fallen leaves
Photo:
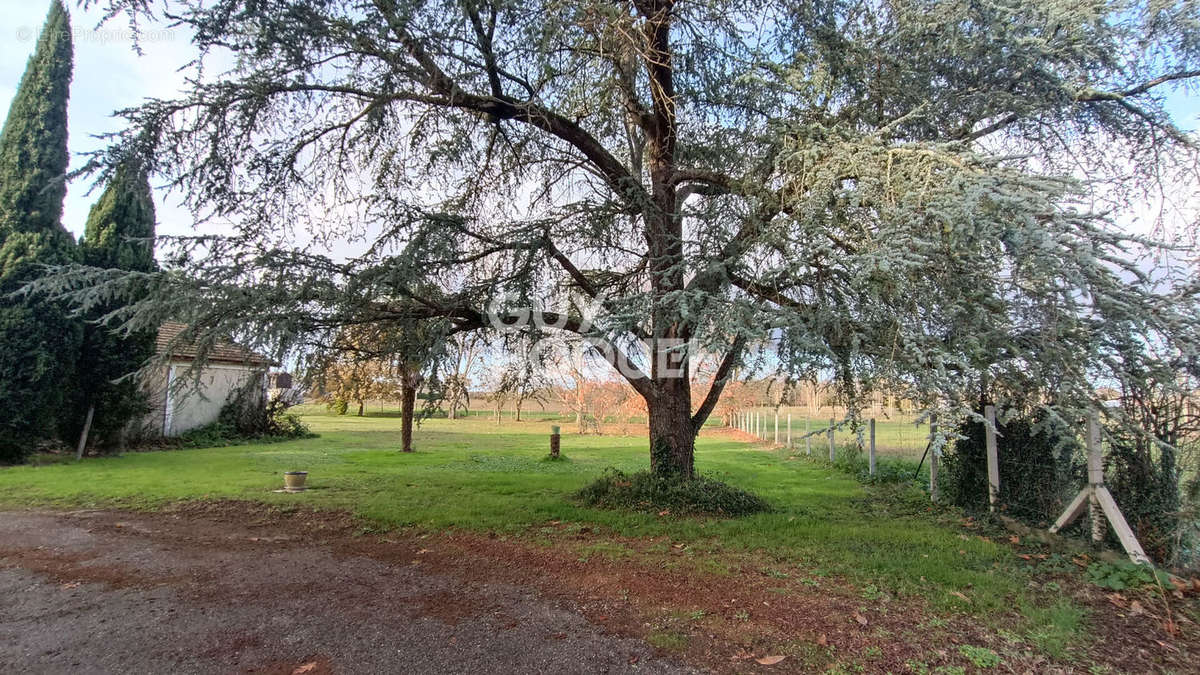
(961, 596)
(769, 660)
(862, 620)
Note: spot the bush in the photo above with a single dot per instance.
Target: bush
(645, 491)
(243, 419)
(247, 415)
(1038, 469)
(1144, 481)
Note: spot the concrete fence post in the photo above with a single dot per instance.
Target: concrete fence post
(832, 447)
(871, 451)
(993, 458)
(933, 458)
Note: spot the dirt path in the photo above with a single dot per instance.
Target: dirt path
(105, 592)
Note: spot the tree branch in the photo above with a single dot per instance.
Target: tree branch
(720, 378)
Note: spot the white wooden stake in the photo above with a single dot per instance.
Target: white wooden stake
(776, 427)
(1095, 464)
(831, 446)
(933, 459)
(87, 427)
(993, 459)
(1100, 501)
(871, 455)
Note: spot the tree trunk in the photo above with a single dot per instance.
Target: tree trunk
(408, 400)
(672, 437)
(360, 408)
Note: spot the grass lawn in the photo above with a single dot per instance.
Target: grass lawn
(473, 474)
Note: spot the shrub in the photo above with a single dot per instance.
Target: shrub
(1037, 468)
(1144, 480)
(645, 491)
(244, 418)
(1118, 576)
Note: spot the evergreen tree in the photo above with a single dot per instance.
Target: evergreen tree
(38, 339)
(886, 193)
(119, 235)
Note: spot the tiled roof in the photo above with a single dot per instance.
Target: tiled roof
(221, 352)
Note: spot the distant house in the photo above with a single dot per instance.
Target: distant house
(179, 400)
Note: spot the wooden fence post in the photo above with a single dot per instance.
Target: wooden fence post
(832, 451)
(871, 455)
(1099, 500)
(1095, 465)
(83, 437)
(993, 459)
(807, 438)
(933, 459)
(776, 426)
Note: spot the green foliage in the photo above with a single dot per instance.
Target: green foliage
(38, 341)
(646, 491)
(33, 144)
(245, 419)
(1037, 462)
(120, 227)
(981, 657)
(1118, 576)
(1147, 490)
(119, 235)
(338, 406)
(247, 415)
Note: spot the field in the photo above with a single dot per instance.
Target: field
(475, 475)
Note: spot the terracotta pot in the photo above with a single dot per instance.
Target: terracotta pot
(293, 481)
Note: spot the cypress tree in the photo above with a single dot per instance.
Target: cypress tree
(119, 235)
(38, 339)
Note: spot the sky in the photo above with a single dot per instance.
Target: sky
(109, 76)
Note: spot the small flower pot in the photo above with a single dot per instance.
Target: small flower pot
(293, 481)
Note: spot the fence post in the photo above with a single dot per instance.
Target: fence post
(789, 432)
(993, 459)
(871, 455)
(933, 459)
(831, 445)
(1101, 505)
(776, 426)
(1095, 465)
(807, 438)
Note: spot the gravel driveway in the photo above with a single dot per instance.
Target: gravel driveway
(108, 592)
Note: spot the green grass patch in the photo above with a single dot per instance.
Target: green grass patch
(474, 474)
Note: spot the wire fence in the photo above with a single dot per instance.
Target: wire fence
(897, 434)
